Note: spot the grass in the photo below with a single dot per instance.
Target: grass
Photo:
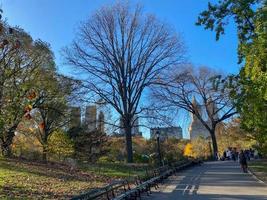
(32, 180)
(259, 168)
(120, 170)
(21, 179)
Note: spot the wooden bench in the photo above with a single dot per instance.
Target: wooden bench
(158, 176)
(141, 187)
(119, 190)
(109, 191)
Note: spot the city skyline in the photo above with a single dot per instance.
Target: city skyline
(181, 16)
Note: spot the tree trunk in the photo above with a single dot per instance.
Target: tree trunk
(6, 144)
(44, 154)
(214, 143)
(45, 150)
(128, 136)
(6, 150)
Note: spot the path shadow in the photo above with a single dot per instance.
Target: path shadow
(213, 181)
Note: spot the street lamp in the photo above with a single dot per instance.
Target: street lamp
(158, 147)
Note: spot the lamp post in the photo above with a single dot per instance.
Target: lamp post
(158, 147)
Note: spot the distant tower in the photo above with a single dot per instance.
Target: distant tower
(101, 122)
(90, 118)
(212, 108)
(75, 117)
(196, 128)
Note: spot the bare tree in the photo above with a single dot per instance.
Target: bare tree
(120, 52)
(204, 85)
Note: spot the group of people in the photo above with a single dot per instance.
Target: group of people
(242, 156)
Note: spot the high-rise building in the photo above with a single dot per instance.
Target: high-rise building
(90, 118)
(196, 128)
(75, 117)
(167, 132)
(101, 122)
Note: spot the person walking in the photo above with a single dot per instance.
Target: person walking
(243, 161)
(228, 154)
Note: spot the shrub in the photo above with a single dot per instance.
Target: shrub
(60, 145)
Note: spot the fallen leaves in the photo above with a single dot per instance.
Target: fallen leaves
(34, 180)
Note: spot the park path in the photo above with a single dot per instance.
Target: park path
(221, 180)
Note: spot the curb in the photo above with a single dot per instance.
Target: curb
(256, 177)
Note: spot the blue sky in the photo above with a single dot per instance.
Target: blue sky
(54, 21)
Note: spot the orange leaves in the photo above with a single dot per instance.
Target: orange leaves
(32, 95)
(27, 111)
(28, 115)
(42, 126)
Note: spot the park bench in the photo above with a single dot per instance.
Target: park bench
(119, 190)
(109, 191)
(145, 185)
(141, 187)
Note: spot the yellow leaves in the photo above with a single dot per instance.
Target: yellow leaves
(31, 129)
(188, 150)
(28, 108)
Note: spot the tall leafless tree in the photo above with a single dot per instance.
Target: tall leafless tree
(120, 52)
(207, 87)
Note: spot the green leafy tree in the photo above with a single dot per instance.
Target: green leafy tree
(60, 145)
(51, 107)
(20, 57)
(230, 134)
(252, 99)
(250, 87)
(217, 16)
(89, 145)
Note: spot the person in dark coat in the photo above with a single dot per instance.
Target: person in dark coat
(243, 161)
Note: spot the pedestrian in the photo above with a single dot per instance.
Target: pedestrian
(234, 154)
(217, 156)
(243, 161)
(224, 155)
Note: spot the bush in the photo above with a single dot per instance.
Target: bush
(105, 159)
(26, 146)
(198, 148)
(60, 145)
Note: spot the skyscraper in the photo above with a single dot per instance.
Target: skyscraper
(90, 118)
(167, 132)
(196, 127)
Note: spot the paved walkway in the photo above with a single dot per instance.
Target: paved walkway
(222, 180)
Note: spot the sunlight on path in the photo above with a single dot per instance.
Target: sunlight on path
(212, 181)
